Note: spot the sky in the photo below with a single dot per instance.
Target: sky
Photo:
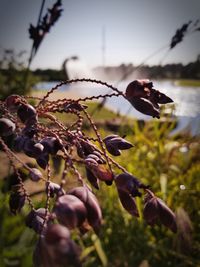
(133, 30)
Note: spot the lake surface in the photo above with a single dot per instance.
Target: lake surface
(186, 100)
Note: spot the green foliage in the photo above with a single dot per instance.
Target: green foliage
(14, 77)
(165, 163)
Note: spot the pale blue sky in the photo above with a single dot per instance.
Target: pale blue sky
(133, 29)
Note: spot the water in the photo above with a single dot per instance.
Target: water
(186, 100)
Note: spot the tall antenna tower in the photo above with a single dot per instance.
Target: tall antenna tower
(103, 46)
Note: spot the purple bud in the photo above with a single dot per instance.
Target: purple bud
(27, 113)
(7, 127)
(128, 183)
(55, 189)
(43, 160)
(51, 145)
(91, 162)
(167, 217)
(12, 102)
(128, 202)
(56, 233)
(94, 214)
(156, 210)
(35, 219)
(117, 141)
(35, 175)
(144, 98)
(75, 106)
(159, 97)
(150, 212)
(70, 211)
(92, 178)
(84, 148)
(145, 106)
(19, 142)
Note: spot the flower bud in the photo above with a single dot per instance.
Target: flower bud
(128, 183)
(55, 189)
(43, 160)
(145, 106)
(115, 143)
(156, 210)
(92, 178)
(7, 127)
(51, 145)
(12, 102)
(27, 112)
(35, 219)
(94, 214)
(84, 148)
(150, 212)
(70, 211)
(144, 98)
(35, 174)
(56, 233)
(128, 202)
(102, 173)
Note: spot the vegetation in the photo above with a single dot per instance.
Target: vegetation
(170, 164)
(74, 192)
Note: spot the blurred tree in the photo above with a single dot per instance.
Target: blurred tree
(12, 72)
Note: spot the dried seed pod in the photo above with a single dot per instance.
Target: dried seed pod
(128, 202)
(7, 127)
(55, 189)
(35, 175)
(13, 102)
(94, 214)
(27, 113)
(102, 173)
(92, 178)
(70, 211)
(17, 199)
